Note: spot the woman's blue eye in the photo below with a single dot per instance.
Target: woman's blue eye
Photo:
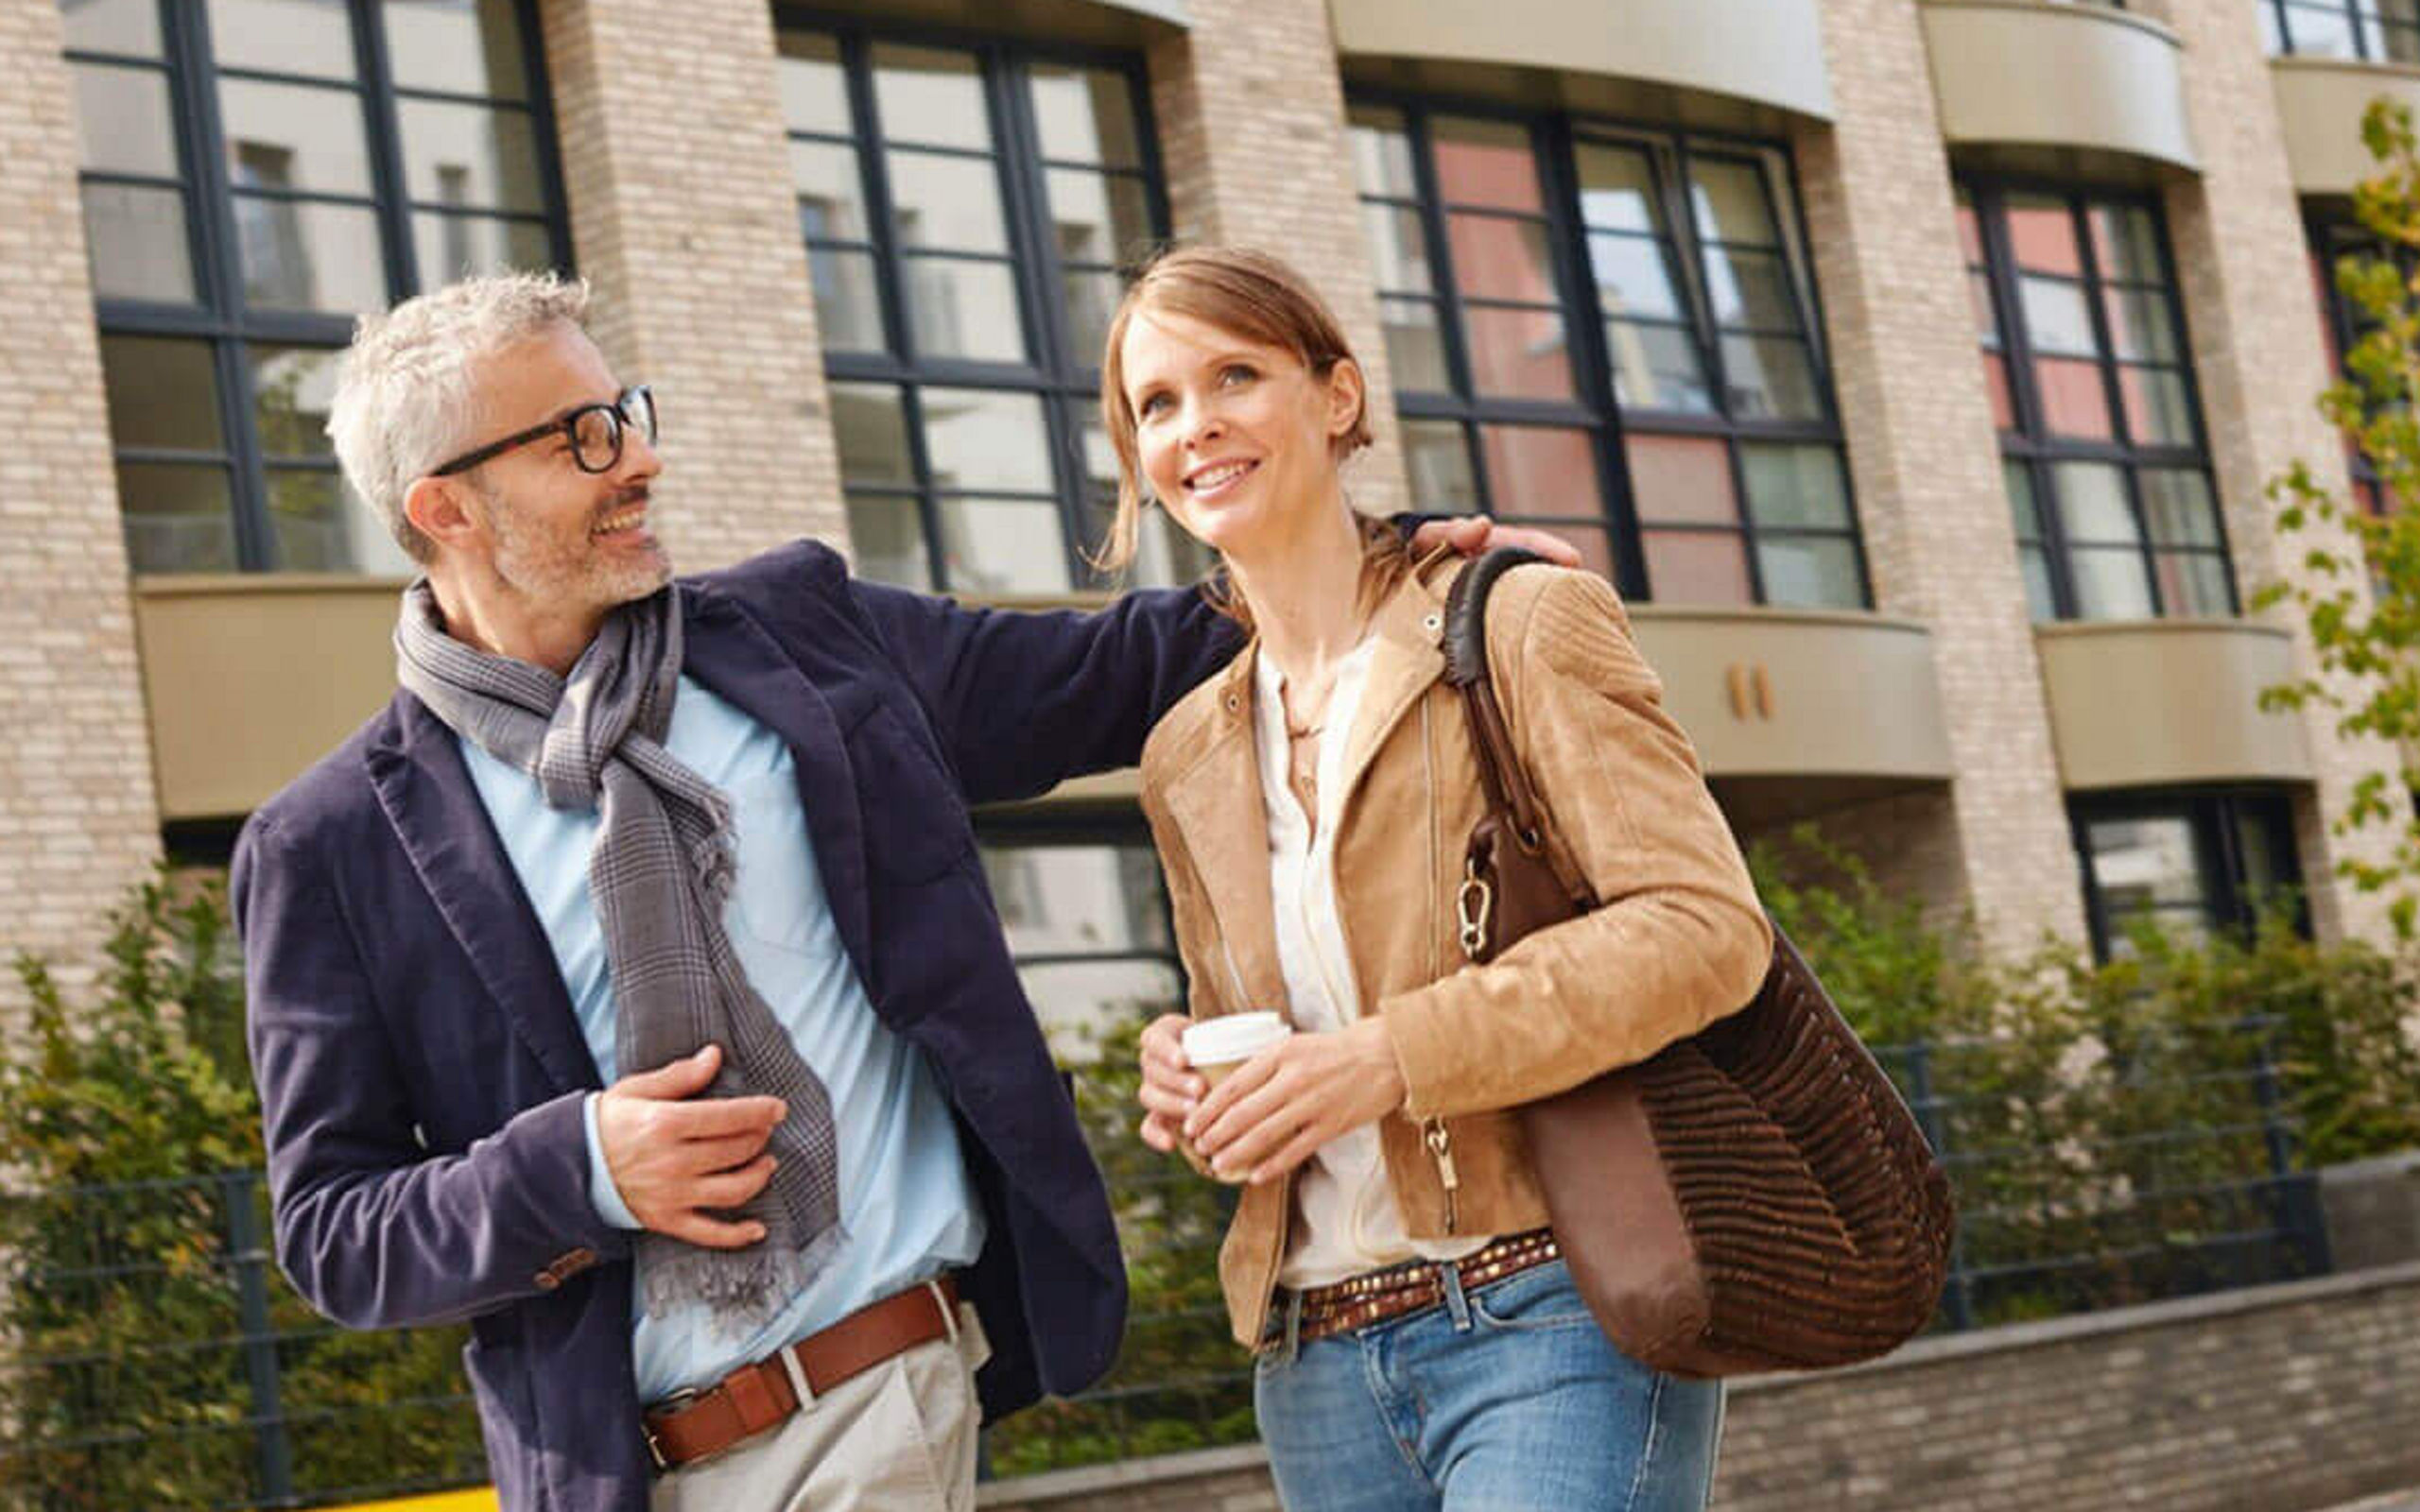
(1155, 404)
(1236, 373)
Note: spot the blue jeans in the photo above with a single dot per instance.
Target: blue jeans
(1507, 1398)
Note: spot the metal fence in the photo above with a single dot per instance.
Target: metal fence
(158, 1359)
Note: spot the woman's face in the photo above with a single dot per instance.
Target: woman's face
(1236, 439)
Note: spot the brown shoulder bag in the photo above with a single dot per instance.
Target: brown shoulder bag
(1754, 1197)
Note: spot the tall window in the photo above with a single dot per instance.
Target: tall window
(255, 174)
(2193, 863)
(1087, 922)
(965, 211)
(1611, 333)
(2101, 435)
(2376, 31)
(2343, 323)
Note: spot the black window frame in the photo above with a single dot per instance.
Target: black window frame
(219, 314)
(1554, 136)
(2370, 30)
(2031, 446)
(1066, 382)
(2214, 815)
(2331, 238)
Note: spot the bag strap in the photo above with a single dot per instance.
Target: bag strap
(1501, 773)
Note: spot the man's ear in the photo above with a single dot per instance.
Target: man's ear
(441, 510)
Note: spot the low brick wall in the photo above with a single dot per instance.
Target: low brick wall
(2279, 1399)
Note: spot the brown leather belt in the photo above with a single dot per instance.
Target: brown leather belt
(755, 1397)
(1361, 1300)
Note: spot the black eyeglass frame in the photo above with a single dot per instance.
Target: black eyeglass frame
(617, 417)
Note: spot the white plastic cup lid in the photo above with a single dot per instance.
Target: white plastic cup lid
(1232, 1038)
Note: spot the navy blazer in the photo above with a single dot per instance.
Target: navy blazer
(422, 1072)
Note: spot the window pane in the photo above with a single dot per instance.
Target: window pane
(1596, 547)
(290, 390)
(160, 394)
(1680, 479)
(2178, 507)
(1398, 249)
(1077, 899)
(2158, 410)
(987, 440)
(948, 202)
(1987, 315)
(2003, 399)
(1098, 217)
(456, 47)
(1542, 470)
(2139, 325)
(1632, 277)
(1415, 346)
(871, 429)
(128, 27)
(1381, 152)
(2056, 317)
(1799, 487)
(1086, 115)
(961, 309)
(815, 88)
(284, 36)
(1499, 258)
(1438, 457)
(2025, 511)
(136, 240)
(1657, 367)
(301, 256)
(1809, 572)
(1484, 163)
(1091, 299)
(1080, 1002)
(455, 247)
(1770, 378)
(2125, 242)
(1750, 290)
(2074, 402)
(888, 538)
(317, 524)
(2322, 31)
(122, 122)
(2042, 233)
(2092, 502)
(1517, 353)
(2194, 583)
(1697, 568)
(1728, 199)
(831, 204)
(929, 95)
(2110, 585)
(178, 518)
(470, 155)
(2140, 863)
(2039, 599)
(294, 136)
(1004, 546)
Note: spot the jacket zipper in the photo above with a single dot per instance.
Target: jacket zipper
(1441, 1144)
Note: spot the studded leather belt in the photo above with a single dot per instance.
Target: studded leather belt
(1361, 1300)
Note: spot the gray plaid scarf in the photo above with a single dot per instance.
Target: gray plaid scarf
(659, 873)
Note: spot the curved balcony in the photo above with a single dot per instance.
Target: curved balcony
(1765, 54)
(2070, 85)
(1100, 22)
(2320, 101)
(2149, 703)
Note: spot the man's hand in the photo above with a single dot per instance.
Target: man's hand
(1472, 534)
(674, 1155)
(1275, 1111)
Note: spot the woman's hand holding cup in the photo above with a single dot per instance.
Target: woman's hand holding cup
(1268, 1115)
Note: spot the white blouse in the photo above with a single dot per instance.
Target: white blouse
(1346, 1218)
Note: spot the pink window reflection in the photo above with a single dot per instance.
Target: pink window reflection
(1485, 162)
(1996, 379)
(1695, 567)
(1595, 550)
(1518, 353)
(2043, 237)
(1970, 233)
(1680, 479)
(2073, 402)
(1535, 470)
(1498, 258)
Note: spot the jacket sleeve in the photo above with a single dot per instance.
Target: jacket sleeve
(1678, 938)
(1022, 701)
(373, 1229)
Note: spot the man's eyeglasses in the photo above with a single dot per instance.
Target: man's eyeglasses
(594, 430)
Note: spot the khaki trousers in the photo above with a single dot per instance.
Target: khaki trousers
(899, 1437)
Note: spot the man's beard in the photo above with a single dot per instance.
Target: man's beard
(550, 568)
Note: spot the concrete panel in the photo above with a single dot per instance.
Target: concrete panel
(2320, 101)
(2040, 73)
(2149, 703)
(1770, 52)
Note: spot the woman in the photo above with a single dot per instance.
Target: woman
(1420, 1346)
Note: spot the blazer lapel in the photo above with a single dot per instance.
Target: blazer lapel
(416, 767)
(1217, 802)
(730, 653)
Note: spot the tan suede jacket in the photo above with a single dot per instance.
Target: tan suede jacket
(1677, 940)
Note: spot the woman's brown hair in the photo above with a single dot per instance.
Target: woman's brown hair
(1260, 299)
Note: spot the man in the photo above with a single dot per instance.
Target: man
(629, 987)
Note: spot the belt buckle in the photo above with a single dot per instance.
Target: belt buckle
(670, 1405)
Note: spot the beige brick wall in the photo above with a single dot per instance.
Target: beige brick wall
(77, 817)
(1925, 461)
(683, 217)
(2258, 350)
(1250, 111)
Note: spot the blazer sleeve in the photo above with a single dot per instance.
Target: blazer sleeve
(1678, 938)
(373, 1229)
(1022, 701)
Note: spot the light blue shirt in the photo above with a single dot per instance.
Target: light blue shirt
(907, 1202)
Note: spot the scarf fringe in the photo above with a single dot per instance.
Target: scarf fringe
(741, 1292)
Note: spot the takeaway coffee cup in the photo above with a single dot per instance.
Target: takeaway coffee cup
(1217, 1046)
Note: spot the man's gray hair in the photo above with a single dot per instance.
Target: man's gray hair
(406, 399)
